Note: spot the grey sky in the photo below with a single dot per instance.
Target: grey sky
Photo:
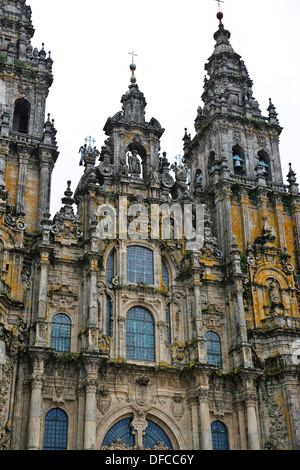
(90, 41)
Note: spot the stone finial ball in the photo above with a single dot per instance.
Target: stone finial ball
(220, 15)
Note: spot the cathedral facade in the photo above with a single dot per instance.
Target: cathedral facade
(159, 307)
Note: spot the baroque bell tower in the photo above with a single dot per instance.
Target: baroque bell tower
(28, 148)
(236, 172)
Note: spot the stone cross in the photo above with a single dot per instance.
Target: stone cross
(219, 3)
(132, 55)
(90, 141)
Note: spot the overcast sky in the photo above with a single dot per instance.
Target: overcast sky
(90, 43)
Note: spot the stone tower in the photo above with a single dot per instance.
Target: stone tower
(147, 313)
(28, 146)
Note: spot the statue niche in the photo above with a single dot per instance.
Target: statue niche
(137, 160)
(275, 298)
(134, 164)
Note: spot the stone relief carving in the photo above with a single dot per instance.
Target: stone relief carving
(177, 406)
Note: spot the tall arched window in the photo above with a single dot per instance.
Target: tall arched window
(140, 335)
(213, 348)
(108, 316)
(168, 321)
(155, 435)
(121, 431)
(165, 274)
(219, 436)
(61, 333)
(140, 265)
(21, 116)
(110, 267)
(56, 430)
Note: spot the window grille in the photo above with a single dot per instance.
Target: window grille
(61, 333)
(154, 435)
(140, 335)
(140, 265)
(219, 436)
(56, 430)
(213, 348)
(121, 430)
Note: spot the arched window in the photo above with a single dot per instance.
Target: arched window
(61, 333)
(108, 316)
(140, 335)
(121, 431)
(110, 267)
(219, 436)
(238, 160)
(198, 177)
(211, 163)
(168, 321)
(140, 265)
(56, 430)
(165, 275)
(213, 348)
(155, 435)
(21, 116)
(264, 163)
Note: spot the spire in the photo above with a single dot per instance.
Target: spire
(229, 87)
(222, 37)
(134, 102)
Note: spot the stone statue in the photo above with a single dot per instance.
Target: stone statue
(134, 163)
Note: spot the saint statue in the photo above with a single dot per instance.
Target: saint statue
(134, 163)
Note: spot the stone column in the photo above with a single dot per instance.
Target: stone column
(40, 337)
(193, 404)
(35, 410)
(224, 218)
(3, 156)
(91, 365)
(92, 321)
(240, 416)
(252, 424)
(45, 180)
(23, 164)
(201, 346)
(205, 427)
(90, 415)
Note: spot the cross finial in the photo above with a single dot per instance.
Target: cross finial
(219, 3)
(89, 140)
(132, 56)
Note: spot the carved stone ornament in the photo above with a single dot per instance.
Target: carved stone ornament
(177, 406)
(116, 445)
(104, 399)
